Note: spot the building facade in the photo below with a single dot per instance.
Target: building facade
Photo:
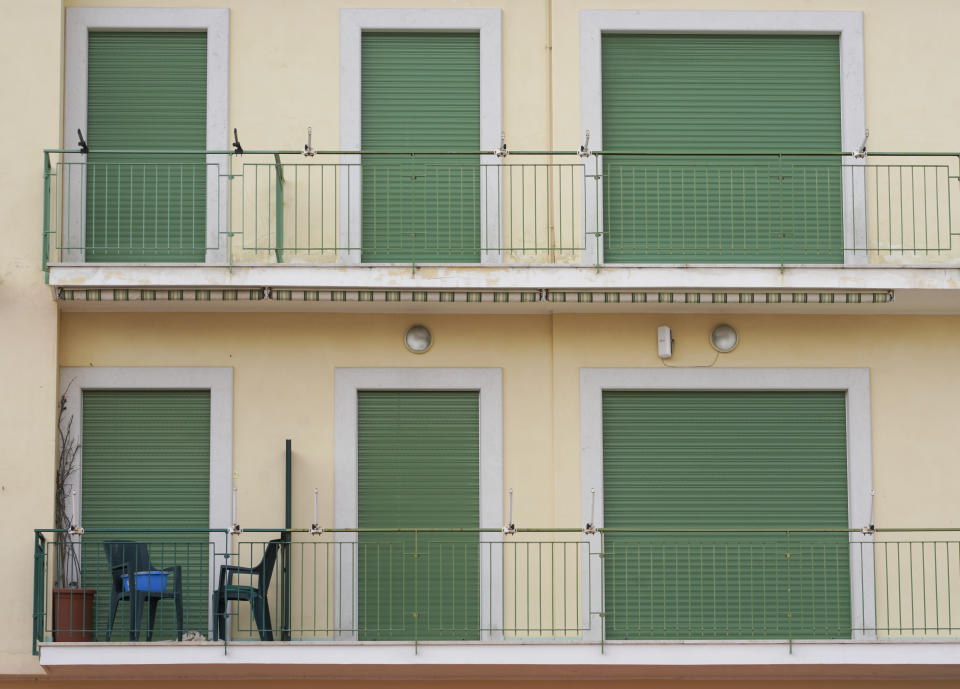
(534, 341)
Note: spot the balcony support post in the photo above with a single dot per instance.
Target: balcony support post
(285, 538)
(278, 186)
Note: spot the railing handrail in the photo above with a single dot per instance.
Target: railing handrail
(416, 152)
(599, 530)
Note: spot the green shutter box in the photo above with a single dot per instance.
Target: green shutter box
(709, 93)
(420, 92)
(146, 90)
(725, 460)
(146, 464)
(418, 466)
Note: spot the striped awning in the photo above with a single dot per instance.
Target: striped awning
(382, 296)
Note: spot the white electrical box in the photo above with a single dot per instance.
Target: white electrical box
(664, 342)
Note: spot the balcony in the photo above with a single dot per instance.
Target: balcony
(577, 596)
(575, 223)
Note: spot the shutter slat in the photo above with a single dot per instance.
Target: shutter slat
(725, 460)
(418, 466)
(721, 93)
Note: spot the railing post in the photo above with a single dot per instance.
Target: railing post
(279, 200)
(39, 594)
(781, 195)
(789, 613)
(598, 203)
(285, 629)
(416, 590)
(45, 235)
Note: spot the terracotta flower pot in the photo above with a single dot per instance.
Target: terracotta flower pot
(73, 614)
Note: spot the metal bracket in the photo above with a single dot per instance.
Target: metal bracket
(235, 529)
(502, 152)
(869, 530)
(82, 144)
(585, 148)
(509, 529)
(316, 530)
(861, 152)
(591, 528)
(237, 148)
(308, 147)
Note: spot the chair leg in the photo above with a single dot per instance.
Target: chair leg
(136, 615)
(217, 605)
(257, 612)
(179, 607)
(153, 616)
(267, 629)
(114, 602)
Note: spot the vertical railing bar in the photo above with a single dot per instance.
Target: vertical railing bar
(899, 588)
(936, 585)
(889, 216)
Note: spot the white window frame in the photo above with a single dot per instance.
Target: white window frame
(855, 382)
(80, 21)
(847, 25)
(74, 380)
(353, 22)
(489, 383)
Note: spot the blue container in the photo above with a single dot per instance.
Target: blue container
(154, 582)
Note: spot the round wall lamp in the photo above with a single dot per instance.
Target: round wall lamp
(724, 338)
(418, 339)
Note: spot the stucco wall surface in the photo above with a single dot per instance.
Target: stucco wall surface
(283, 388)
(30, 49)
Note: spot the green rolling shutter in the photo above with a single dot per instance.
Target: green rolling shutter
(146, 464)
(418, 466)
(420, 92)
(146, 90)
(709, 93)
(725, 460)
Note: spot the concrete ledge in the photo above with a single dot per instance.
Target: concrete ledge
(931, 659)
(930, 290)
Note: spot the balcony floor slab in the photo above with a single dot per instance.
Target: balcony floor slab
(889, 659)
(509, 289)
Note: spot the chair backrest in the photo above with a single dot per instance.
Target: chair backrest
(266, 566)
(133, 555)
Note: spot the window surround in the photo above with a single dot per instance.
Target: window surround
(489, 382)
(855, 382)
(847, 25)
(353, 22)
(218, 380)
(216, 23)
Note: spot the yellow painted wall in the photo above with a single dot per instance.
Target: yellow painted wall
(284, 66)
(30, 48)
(284, 76)
(284, 366)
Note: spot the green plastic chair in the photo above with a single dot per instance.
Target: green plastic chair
(255, 595)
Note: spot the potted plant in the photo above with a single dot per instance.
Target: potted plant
(72, 613)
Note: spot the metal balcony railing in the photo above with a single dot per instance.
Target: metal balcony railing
(560, 585)
(546, 207)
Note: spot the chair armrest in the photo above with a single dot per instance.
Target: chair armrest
(239, 570)
(227, 572)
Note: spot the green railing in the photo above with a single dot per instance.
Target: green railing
(560, 585)
(473, 207)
